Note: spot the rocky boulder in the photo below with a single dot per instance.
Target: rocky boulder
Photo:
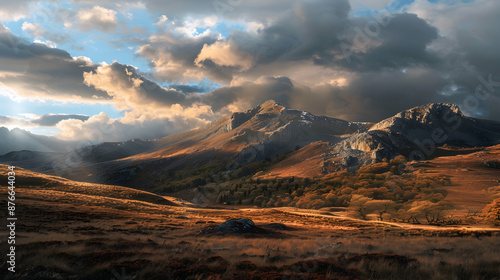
(239, 226)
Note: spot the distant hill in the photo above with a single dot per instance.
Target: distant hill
(54, 162)
(41, 182)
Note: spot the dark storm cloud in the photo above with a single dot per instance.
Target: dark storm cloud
(365, 99)
(251, 94)
(378, 95)
(406, 63)
(310, 29)
(402, 43)
(53, 119)
(316, 32)
(37, 70)
(313, 31)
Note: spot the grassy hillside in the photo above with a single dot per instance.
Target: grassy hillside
(69, 230)
(34, 181)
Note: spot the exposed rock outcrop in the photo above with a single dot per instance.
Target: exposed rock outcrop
(416, 133)
(235, 226)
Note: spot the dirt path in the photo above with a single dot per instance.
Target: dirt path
(400, 225)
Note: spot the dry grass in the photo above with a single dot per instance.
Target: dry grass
(64, 233)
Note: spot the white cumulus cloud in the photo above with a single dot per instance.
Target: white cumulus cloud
(98, 18)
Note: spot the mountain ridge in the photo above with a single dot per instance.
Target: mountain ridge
(416, 132)
(245, 142)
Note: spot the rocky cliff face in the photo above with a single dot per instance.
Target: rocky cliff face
(424, 117)
(415, 133)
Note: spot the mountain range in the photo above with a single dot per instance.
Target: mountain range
(19, 139)
(269, 140)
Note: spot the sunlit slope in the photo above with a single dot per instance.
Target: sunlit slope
(475, 177)
(34, 181)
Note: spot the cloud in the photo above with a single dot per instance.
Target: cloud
(447, 16)
(33, 120)
(364, 99)
(191, 26)
(97, 18)
(130, 90)
(151, 111)
(54, 119)
(162, 20)
(202, 88)
(173, 56)
(136, 125)
(38, 71)
(402, 43)
(15, 10)
(225, 53)
(370, 4)
(38, 32)
(299, 33)
(229, 9)
(14, 122)
(310, 29)
(468, 28)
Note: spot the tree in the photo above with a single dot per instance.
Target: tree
(398, 164)
(432, 212)
(492, 212)
(363, 206)
(381, 207)
(358, 205)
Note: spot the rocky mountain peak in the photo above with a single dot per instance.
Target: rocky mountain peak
(268, 107)
(432, 110)
(433, 114)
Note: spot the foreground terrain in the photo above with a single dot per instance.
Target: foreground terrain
(71, 230)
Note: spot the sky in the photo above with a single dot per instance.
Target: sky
(117, 70)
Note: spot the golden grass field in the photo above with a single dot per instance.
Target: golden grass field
(72, 230)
